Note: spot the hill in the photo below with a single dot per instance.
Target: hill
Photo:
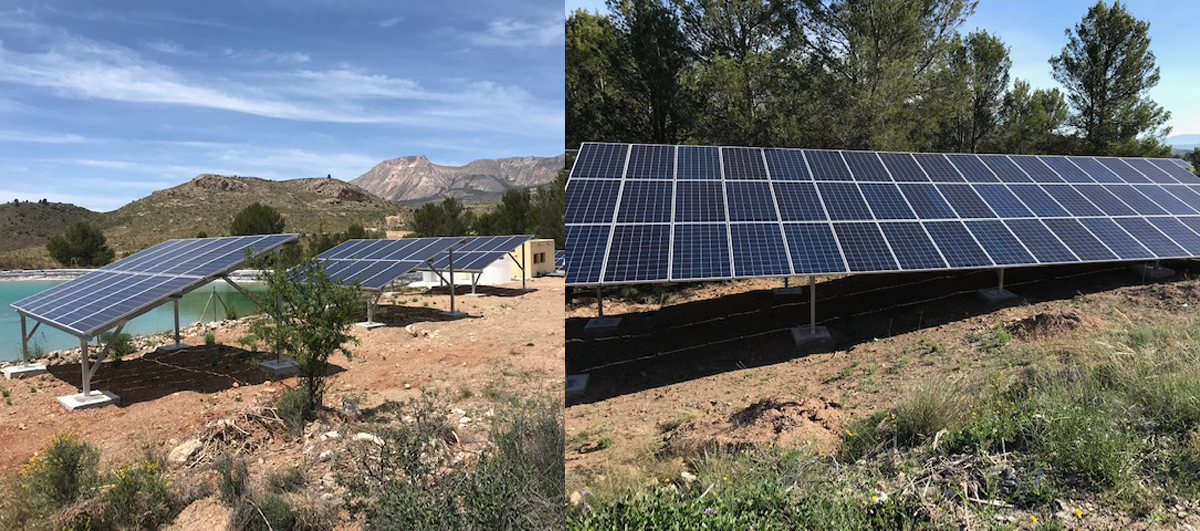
(414, 179)
(207, 204)
(1184, 142)
(29, 224)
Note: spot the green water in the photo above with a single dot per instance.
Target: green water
(160, 319)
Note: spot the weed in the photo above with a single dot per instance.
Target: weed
(285, 480)
(680, 418)
(65, 470)
(210, 339)
(233, 479)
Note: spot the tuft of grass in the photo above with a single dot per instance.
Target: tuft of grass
(210, 339)
(680, 418)
(285, 480)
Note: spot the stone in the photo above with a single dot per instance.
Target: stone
(330, 435)
(687, 477)
(326, 455)
(184, 451)
(368, 437)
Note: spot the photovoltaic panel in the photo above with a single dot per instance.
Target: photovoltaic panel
(560, 260)
(827, 165)
(375, 263)
(926, 201)
(914, 250)
(956, 244)
(133, 285)
(600, 161)
(758, 250)
(903, 168)
(701, 252)
(478, 252)
(585, 252)
(787, 165)
(651, 162)
(799, 201)
(864, 247)
(744, 163)
(699, 201)
(937, 167)
(865, 166)
(699, 162)
(795, 211)
(972, 168)
(814, 249)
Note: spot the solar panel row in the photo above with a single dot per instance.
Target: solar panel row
(560, 260)
(127, 287)
(748, 212)
(375, 263)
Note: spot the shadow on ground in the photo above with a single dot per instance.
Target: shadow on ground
(397, 315)
(700, 338)
(491, 291)
(201, 369)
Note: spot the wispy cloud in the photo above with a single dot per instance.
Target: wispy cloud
(22, 136)
(266, 56)
(514, 33)
(389, 22)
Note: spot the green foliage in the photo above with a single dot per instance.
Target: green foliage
(511, 216)
(448, 218)
(977, 67)
(81, 245)
(309, 321)
(139, 496)
(256, 219)
(1108, 69)
(119, 346)
(410, 483)
(537, 211)
(65, 470)
(210, 339)
(294, 409)
(233, 479)
(285, 480)
(201, 234)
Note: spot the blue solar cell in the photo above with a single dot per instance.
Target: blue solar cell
(927, 201)
(600, 161)
(885, 201)
(814, 249)
(1035, 169)
(1124, 171)
(1151, 238)
(750, 201)
(1192, 222)
(865, 166)
(1150, 171)
(798, 202)
(827, 165)
(645, 201)
(1065, 169)
(787, 165)
(1079, 240)
(956, 244)
(651, 162)
(972, 168)
(903, 167)
(864, 247)
(743, 163)
(591, 201)
(1005, 169)
(843, 201)
(914, 250)
(1038, 200)
(937, 167)
(476, 253)
(1179, 233)
(1104, 199)
(1072, 200)
(585, 252)
(1095, 170)
(699, 162)
(965, 201)
(1002, 201)
(1186, 194)
(1000, 244)
(701, 251)
(1165, 199)
(1040, 241)
(637, 253)
(1136, 200)
(560, 260)
(699, 201)
(758, 250)
(1176, 171)
(1117, 240)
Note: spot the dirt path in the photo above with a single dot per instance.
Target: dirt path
(716, 367)
(511, 343)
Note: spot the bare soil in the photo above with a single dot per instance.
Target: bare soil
(509, 346)
(716, 366)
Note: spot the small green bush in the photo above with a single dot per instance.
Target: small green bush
(293, 409)
(210, 339)
(139, 497)
(119, 346)
(285, 480)
(233, 479)
(65, 470)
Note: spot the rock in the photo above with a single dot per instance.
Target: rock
(330, 435)
(324, 456)
(457, 412)
(576, 497)
(349, 408)
(368, 437)
(408, 419)
(411, 330)
(184, 451)
(687, 477)
(327, 497)
(464, 421)
(406, 386)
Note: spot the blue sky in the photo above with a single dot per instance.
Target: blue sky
(1033, 30)
(100, 105)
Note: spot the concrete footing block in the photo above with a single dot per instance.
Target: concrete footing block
(173, 347)
(280, 368)
(97, 398)
(24, 370)
(600, 326)
(804, 335)
(996, 296)
(1152, 271)
(576, 384)
(369, 325)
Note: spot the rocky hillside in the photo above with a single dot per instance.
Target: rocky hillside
(207, 204)
(27, 224)
(414, 179)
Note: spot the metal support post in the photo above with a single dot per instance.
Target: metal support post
(524, 272)
(24, 340)
(450, 254)
(83, 367)
(176, 321)
(599, 302)
(785, 281)
(812, 305)
(474, 281)
(1000, 288)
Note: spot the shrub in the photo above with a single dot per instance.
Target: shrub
(210, 339)
(293, 408)
(269, 513)
(119, 346)
(81, 245)
(64, 470)
(139, 497)
(233, 479)
(285, 480)
(256, 219)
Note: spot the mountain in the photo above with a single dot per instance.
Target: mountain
(414, 179)
(207, 203)
(1184, 142)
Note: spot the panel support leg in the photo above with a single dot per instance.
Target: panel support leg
(785, 281)
(998, 295)
(176, 322)
(811, 333)
(27, 367)
(474, 281)
(524, 273)
(450, 280)
(83, 367)
(87, 398)
(599, 303)
(812, 305)
(24, 341)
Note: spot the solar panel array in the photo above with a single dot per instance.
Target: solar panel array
(479, 252)
(650, 213)
(128, 287)
(375, 263)
(560, 260)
